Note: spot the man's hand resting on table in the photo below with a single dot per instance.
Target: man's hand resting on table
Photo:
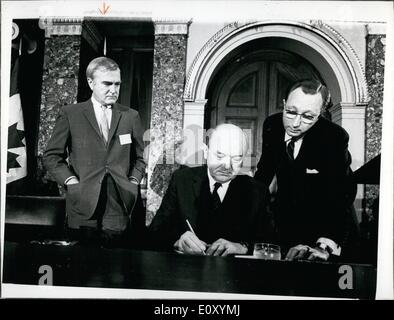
(303, 252)
(222, 247)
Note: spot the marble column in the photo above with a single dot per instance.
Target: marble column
(60, 80)
(375, 79)
(166, 129)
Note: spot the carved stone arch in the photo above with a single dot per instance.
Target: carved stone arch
(336, 53)
(323, 46)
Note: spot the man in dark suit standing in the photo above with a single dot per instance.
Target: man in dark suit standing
(225, 210)
(309, 157)
(96, 153)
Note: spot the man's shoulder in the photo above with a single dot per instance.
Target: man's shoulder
(331, 129)
(190, 172)
(123, 108)
(75, 107)
(275, 118)
(250, 183)
(274, 122)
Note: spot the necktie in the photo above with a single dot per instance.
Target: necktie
(290, 148)
(215, 196)
(103, 123)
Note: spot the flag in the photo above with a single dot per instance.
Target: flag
(16, 153)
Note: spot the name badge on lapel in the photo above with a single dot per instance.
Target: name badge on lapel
(125, 138)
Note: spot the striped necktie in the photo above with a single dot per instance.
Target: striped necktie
(290, 148)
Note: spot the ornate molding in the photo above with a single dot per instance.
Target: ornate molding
(350, 52)
(319, 31)
(212, 42)
(376, 28)
(172, 27)
(55, 26)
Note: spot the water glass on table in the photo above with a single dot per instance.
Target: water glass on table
(266, 251)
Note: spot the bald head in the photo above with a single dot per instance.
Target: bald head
(228, 145)
(229, 136)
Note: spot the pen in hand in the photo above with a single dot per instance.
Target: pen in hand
(191, 229)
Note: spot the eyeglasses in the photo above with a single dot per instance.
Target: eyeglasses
(305, 118)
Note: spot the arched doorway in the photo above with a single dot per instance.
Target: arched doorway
(251, 85)
(318, 43)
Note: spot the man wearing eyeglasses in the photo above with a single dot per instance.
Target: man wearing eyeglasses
(309, 158)
(212, 209)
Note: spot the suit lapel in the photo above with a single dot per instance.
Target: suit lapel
(234, 194)
(309, 147)
(91, 117)
(116, 115)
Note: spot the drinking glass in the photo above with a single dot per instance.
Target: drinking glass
(266, 251)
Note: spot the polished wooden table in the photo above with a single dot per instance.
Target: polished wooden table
(120, 268)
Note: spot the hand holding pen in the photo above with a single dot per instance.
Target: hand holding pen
(190, 243)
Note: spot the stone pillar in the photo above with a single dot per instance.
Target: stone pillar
(191, 153)
(375, 80)
(169, 73)
(60, 80)
(352, 118)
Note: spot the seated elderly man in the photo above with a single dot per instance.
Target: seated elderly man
(212, 209)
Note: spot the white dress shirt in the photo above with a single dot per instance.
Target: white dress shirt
(98, 110)
(297, 144)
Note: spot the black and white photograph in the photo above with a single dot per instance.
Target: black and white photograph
(197, 150)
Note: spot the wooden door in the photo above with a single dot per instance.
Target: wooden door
(252, 87)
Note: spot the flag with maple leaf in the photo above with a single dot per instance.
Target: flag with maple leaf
(16, 152)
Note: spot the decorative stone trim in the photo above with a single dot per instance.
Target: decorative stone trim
(236, 33)
(347, 111)
(171, 27)
(375, 28)
(195, 109)
(347, 48)
(197, 62)
(63, 27)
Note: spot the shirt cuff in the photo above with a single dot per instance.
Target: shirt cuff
(335, 249)
(68, 179)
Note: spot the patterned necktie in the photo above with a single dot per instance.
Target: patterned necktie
(215, 196)
(290, 148)
(103, 123)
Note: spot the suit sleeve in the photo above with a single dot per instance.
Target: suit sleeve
(263, 226)
(339, 179)
(55, 155)
(339, 175)
(163, 229)
(138, 167)
(266, 166)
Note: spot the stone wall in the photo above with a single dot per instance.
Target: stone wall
(59, 88)
(169, 72)
(375, 78)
